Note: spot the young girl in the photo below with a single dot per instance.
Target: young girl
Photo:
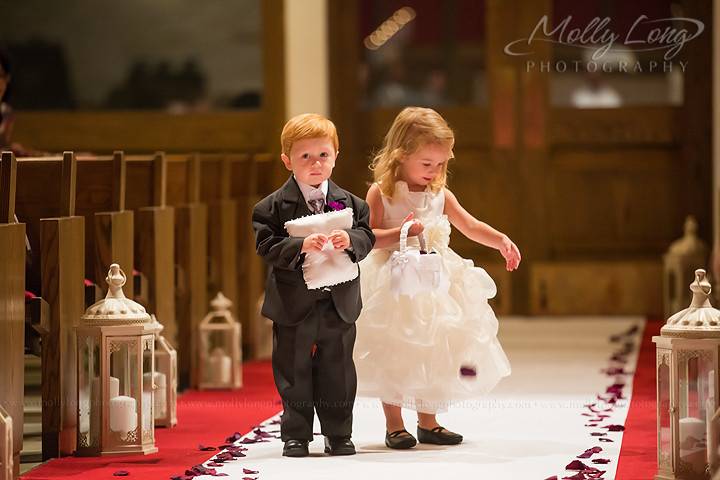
(424, 352)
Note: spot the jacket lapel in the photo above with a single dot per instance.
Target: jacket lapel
(293, 204)
(336, 194)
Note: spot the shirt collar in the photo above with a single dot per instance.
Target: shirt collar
(310, 192)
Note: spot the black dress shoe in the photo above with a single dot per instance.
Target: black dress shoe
(339, 446)
(400, 440)
(296, 448)
(438, 436)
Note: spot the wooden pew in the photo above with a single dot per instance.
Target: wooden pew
(215, 191)
(12, 304)
(56, 237)
(191, 227)
(100, 199)
(7, 464)
(154, 235)
(252, 180)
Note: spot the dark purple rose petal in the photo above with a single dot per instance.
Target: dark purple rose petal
(616, 371)
(606, 439)
(577, 476)
(205, 448)
(121, 473)
(468, 372)
(261, 434)
(601, 460)
(615, 428)
(598, 434)
(234, 437)
(247, 471)
(576, 465)
(590, 452)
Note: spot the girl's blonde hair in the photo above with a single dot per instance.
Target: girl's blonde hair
(413, 128)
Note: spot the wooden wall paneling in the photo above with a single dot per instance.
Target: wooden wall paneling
(695, 122)
(627, 197)
(101, 184)
(191, 226)
(12, 306)
(625, 287)
(154, 235)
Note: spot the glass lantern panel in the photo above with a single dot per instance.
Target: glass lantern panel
(89, 400)
(163, 376)
(148, 418)
(124, 387)
(172, 385)
(218, 369)
(664, 429)
(695, 370)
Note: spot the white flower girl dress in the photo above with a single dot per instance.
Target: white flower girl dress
(427, 351)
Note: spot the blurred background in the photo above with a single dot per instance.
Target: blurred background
(591, 165)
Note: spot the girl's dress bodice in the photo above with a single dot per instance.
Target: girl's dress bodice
(427, 206)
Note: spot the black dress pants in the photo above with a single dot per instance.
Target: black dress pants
(324, 382)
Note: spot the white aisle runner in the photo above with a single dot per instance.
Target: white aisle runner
(530, 427)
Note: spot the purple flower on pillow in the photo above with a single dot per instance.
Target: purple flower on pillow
(335, 206)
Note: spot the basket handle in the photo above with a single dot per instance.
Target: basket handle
(404, 234)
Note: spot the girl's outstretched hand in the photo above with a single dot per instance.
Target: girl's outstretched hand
(416, 228)
(511, 253)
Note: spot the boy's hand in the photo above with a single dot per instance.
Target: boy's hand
(340, 239)
(314, 242)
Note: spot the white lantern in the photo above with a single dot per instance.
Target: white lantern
(687, 388)
(165, 405)
(6, 446)
(219, 351)
(116, 349)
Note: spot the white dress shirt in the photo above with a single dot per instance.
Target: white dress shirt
(311, 193)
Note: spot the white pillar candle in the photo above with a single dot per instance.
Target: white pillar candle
(219, 367)
(113, 386)
(691, 427)
(160, 395)
(123, 414)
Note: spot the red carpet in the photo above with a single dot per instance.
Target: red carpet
(638, 455)
(205, 418)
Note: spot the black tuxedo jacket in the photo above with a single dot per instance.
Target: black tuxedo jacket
(287, 299)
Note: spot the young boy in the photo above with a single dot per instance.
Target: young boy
(313, 330)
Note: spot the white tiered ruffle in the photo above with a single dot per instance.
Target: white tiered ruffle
(421, 352)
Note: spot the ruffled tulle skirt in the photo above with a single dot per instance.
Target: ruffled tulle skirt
(431, 350)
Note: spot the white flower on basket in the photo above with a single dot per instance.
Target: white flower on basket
(329, 266)
(437, 233)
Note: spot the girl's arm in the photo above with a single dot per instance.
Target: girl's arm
(481, 232)
(384, 237)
